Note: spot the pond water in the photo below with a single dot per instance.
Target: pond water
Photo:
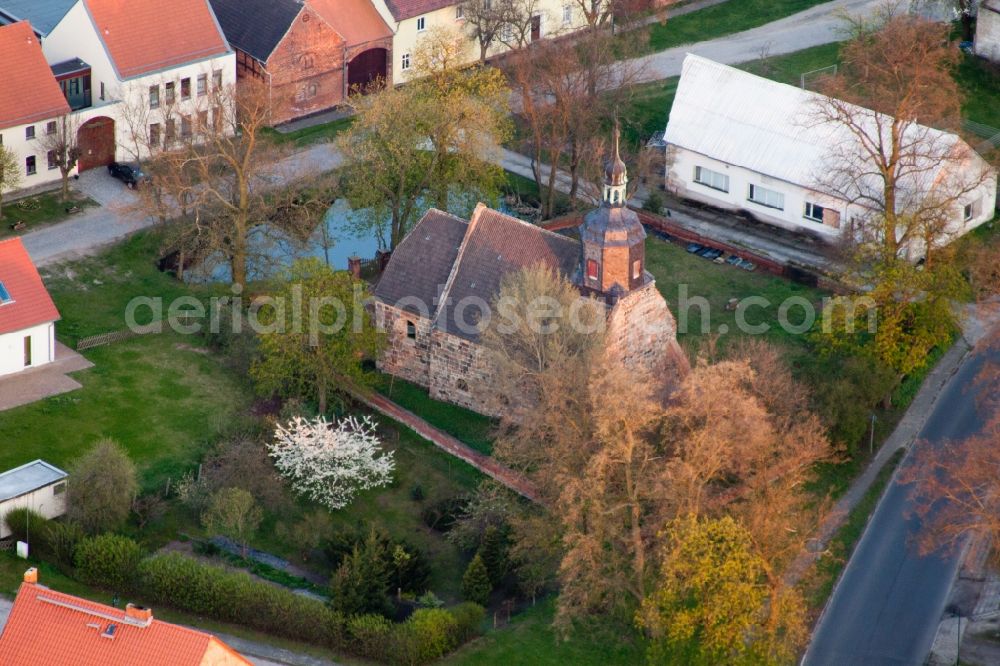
(340, 236)
(333, 242)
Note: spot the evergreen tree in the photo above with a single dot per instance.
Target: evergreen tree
(493, 550)
(476, 585)
(361, 581)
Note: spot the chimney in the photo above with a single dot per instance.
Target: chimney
(139, 613)
(354, 266)
(31, 575)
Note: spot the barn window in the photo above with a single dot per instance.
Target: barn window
(411, 330)
(59, 488)
(591, 269)
(421, 24)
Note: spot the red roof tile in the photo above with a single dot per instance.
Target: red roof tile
(356, 20)
(49, 627)
(30, 92)
(31, 304)
(144, 36)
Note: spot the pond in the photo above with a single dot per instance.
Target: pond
(340, 236)
(333, 242)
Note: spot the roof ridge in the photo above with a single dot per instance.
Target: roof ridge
(524, 223)
(446, 291)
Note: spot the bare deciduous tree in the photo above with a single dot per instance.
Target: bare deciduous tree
(10, 173)
(62, 149)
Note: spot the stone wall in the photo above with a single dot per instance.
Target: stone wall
(404, 357)
(642, 332)
(988, 32)
(460, 373)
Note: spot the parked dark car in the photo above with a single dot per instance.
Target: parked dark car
(131, 175)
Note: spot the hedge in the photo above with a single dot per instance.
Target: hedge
(109, 561)
(231, 596)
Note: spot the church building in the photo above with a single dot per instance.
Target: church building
(443, 274)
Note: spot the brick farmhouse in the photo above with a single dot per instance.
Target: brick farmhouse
(309, 53)
(429, 299)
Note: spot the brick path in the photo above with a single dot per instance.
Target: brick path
(453, 446)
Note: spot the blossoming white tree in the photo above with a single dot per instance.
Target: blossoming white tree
(331, 462)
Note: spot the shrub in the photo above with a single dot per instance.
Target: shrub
(469, 619)
(441, 515)
(187, 584)
(62, 540)
(27, 525)
(108, 560)
(436, 631)
(369, 635)
(100, 489)
(476, 585)
(653, 203)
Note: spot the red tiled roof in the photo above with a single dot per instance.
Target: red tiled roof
(30, 92)
(404, 9)
(31, 304)
(144, 36)
(49, 627)
(356, 20)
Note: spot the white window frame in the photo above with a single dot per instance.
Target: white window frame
(968, 211)
(460, 13)
(567, 14)
(421, 23)
(811, 207)
(404, 62)
(711, 179)
(762, 196)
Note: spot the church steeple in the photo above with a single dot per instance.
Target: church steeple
(613, 258)
(615, 175)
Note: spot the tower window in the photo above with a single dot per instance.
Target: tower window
(636, 269)
(411, 330)
(591, 269)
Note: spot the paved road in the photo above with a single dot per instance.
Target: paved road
(821, 24)
(886, 608)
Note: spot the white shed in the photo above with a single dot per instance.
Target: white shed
(37, 485)
(988, 30)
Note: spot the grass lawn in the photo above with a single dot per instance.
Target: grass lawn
(981, 84)
(530, 640)
(720, 20)
(466, 425)
(310, 135)
(682, 277)
(38, 210)
(160, 397)
(166, 399)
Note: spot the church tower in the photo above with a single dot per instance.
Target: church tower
(614, 261)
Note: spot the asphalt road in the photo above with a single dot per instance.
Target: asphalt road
(887, 606)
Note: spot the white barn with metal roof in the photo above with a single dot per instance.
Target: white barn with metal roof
(38, 486)
(745, 143)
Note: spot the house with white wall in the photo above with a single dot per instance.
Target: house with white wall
(36, 485)
(131, 61)
(987, 44)
(744, 143)
(410, 20)
(27, 313)
(30, 103)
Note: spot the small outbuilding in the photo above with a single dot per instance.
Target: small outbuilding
(38, 486)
